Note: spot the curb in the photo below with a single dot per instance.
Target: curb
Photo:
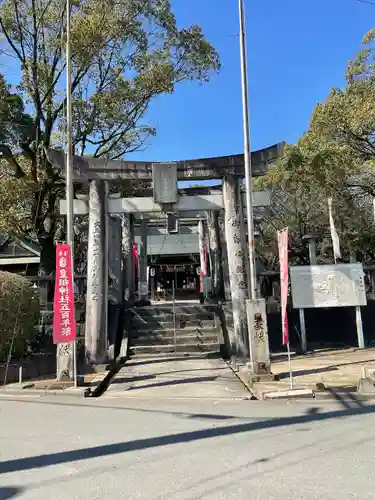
(94, 389)
(237, 373)
(287, 394)
(81, 392)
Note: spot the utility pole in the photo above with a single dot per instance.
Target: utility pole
(255, 308)
(69, 162)
(247, 154)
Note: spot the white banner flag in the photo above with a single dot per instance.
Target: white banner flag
(334, 235)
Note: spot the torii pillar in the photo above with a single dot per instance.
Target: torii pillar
(239, 342)
(215, 253)
(97, 275)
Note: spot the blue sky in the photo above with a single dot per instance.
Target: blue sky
(297, 51)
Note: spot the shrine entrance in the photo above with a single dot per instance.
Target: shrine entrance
(181, 281)
(220, 230)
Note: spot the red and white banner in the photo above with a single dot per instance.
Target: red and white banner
(64, 324)
(136, 259)
(282, 239)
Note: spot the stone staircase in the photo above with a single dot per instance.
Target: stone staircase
(154, 332)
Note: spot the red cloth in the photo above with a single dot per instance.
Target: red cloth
(136, 259)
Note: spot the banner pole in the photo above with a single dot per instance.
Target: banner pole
(69, 172)
(282, 240)
(290, 368)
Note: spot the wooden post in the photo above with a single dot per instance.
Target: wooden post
(236, 264)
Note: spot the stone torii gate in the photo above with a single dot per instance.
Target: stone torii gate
(103, 228)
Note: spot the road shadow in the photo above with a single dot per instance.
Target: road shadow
(346, 399)
(132, 378)
(167, 383)
(39, 461)
(312, 371)
(148, 410)
(10, 492)
(165, 359)
(324, 369)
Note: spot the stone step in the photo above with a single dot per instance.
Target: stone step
(169, 316)
(169, 340)
(178, 355)
(157, 311)
(136, 332)
(171, 349)
(166, 325)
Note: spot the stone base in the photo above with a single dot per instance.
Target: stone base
(262, 376)
(366, 386)
(288, 394)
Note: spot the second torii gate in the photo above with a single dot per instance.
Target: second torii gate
(98, 172)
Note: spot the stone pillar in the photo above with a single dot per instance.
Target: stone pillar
(114, 260)
(128, 276)
(143, 281)
(97, 275)
(224, 260)
(236, 255)
(215, 254)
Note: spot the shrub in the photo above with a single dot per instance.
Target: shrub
(19, 314)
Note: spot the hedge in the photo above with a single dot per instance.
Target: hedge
(19, 314)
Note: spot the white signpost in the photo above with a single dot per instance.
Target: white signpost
(338, 285)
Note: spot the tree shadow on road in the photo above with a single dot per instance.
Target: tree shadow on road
(9, 492)
(35, 462)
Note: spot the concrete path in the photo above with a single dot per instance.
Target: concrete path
(177, 378)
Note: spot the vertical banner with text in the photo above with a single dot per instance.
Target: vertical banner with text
(64, 325)
(282, 239)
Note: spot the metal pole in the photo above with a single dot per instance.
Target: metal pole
(69, 163)
(247, 153)
(174, 316)
(358, 317)
(303, 330)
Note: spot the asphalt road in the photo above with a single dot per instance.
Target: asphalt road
(54, 449)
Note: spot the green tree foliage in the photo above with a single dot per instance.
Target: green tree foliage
(125, 53)
(19, 314)
(334, 158)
